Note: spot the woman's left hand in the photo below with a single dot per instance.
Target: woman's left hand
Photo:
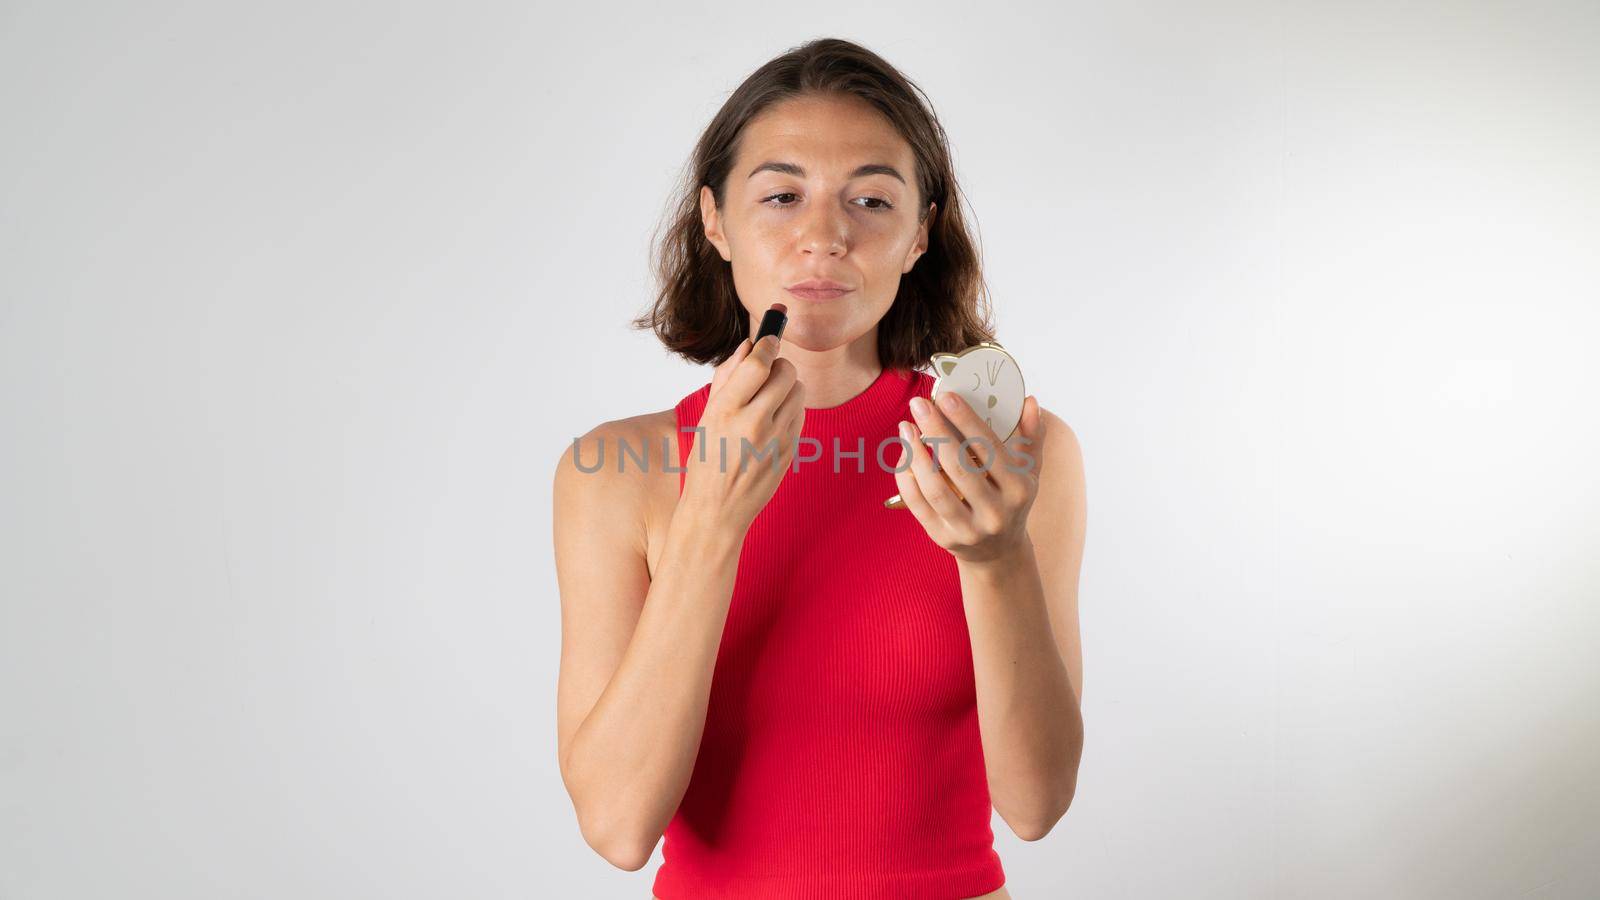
(988, 519)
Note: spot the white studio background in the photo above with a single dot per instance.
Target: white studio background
(300, 305)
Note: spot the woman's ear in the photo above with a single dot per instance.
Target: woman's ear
(921, 245)
(713, 222)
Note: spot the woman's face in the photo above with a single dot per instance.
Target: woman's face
(822, 188)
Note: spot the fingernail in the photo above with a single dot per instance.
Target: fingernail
(919, 406)
(949, 401)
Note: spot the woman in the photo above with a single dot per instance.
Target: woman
(808, 693)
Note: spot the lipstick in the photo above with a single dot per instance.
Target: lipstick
(772, 322)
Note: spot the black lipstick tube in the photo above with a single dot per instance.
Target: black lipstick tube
(772, 322)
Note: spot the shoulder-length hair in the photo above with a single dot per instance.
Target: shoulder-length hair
(942, 305)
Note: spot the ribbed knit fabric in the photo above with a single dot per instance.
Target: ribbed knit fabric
(841, 756)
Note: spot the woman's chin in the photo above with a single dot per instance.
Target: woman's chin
(811, 338)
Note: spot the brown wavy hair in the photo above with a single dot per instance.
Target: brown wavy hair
(943, 303)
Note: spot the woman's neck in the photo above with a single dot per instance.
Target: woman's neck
(833, 376)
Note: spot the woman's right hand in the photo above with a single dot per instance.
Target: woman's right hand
(756, 396)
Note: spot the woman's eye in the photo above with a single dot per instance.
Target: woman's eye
(883, 205)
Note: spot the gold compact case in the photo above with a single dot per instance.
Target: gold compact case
(989, 379)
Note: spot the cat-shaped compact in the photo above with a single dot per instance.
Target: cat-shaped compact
(988, 378)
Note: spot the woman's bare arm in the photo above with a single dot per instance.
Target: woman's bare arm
(637, 654)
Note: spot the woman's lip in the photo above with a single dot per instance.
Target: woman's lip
(811, 294)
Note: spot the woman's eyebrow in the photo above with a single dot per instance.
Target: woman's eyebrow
(792, 169)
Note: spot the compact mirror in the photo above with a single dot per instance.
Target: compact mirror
(989, 379)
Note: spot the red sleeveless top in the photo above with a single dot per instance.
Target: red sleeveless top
(841, 756)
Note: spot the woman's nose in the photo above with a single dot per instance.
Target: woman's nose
(824, 230)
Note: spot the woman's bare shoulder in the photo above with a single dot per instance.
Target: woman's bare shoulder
(620, 450)
(621, 466)
(645, 426)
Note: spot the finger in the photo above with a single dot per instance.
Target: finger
(972, 483)
(752, 372)
(792, 405)
(781, 378)
(910, 491)
(725, 368)
(1026, 446)
(982, 441)
(932, 485)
